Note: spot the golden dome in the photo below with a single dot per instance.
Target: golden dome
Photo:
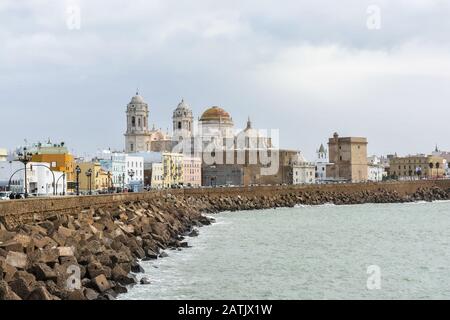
(215, 113)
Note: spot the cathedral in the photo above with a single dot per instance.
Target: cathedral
(215, 126)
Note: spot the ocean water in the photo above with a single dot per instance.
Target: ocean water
(371, 251)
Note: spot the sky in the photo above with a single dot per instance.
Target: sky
(378, 69)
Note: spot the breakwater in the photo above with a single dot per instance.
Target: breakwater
(89, 247)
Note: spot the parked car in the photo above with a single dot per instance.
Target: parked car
(4, 195)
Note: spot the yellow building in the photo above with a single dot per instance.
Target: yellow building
(58, 157)
(100, 179)
(417, 166)
(172, 169)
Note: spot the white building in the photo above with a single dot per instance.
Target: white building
(321, 164)
(303, 172)
(3, 154)
(157, 175)
(134, 170)
(115, 162)
(375, 169)
(40, 179)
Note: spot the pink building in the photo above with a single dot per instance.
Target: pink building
(192, 171)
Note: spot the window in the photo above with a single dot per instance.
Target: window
(132, 147)
(139, 122)
(133, 121)
(179, 124)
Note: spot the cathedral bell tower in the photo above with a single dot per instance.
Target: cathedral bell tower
(182, 122)
(137, 134)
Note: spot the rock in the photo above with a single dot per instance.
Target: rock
(6, 293)
(119, 275)
(193, 233)
(40, 293)
(136, 268)
(65, 251)
(43, 272)
(17, 259)
(145, 280)
(163, 254)
(119, 289)
(20, 287)
(90, 294)
(76, 295)
(101, 283)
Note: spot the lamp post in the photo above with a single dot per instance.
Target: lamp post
(78, 171)
(109, 186)
(89, 176)
(25, 158)
(123, 182)
(131, 175)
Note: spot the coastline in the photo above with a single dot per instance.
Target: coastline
(93, 254)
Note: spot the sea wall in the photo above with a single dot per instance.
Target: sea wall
(89, 247)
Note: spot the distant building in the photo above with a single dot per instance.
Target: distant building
(115, 163)
(348, 158)
(222, 175)
(303, 172)
(172, 169)
(321, 164)
(3, 155)
(59, 159)
(376, 170)
(41, 181)
(192, 171)
(156, 176)
(417, 166)
(134, 172)
(446, 156)
(98, 181)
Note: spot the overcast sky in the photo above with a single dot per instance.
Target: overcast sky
(308, 68)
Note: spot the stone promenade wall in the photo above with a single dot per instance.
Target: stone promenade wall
(24, 211)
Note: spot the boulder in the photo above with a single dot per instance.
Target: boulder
(20, 287)
(136, 267)
(101, 283)
(17, 259)
(43, 272)
(90, 294)
(144, 280)
(65, 252)
(6, 293)
(40, 293)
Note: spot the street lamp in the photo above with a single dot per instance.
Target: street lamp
(89, 176)
(131, 175)
(78, 171)
(25, 158)
(109, 186)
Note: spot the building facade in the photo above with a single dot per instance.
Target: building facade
(303, 172)
(99, 179)
(134, 172)
(417, 167)
(222, 175)
(192, 171)
(172, 169)
(348, 158)
(115, 163)
(41, 181)
(376, 170)
(58, 157)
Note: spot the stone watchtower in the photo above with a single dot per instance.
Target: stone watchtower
(137, 137)
(182, 122)
(348, 157)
